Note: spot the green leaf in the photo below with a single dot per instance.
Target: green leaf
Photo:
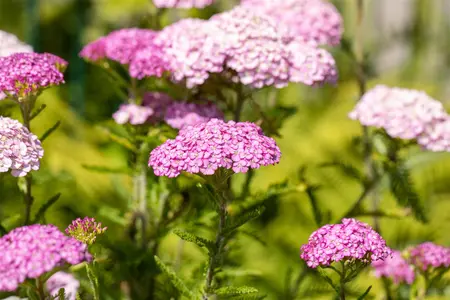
(93, 281)
(363, 296)
(78, 297)
(43, 209)
(403, 189)
(346, 169)
(211, 195)
(324, 275)
(235, 291)
(176, 281)
(37, 111)
(3, 230)
(199, 241)
(123, 141)
(61, 294)
(112, 214)
(104, 169)
(50, 131)
(243, 218)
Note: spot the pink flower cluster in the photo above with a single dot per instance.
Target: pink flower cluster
(206, 147)
(133, 114)
(24, 74)
(352, 240)
(85, 230)
(314, 21)
(405, 114)
(31, 251)
(10, 44)
(63, 280)
(181, 114)
(429, 255)
(395, 267)
(182, 3)
(20, 150)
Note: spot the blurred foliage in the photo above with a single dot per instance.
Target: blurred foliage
(316, 132)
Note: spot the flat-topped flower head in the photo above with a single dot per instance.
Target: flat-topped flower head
(348, 241)
(402, 113)
(31, 251)
(10, 44)
(20, 150)
(191, 47)
(181, 114)
(206, 147)
(133, 114)
(395, 268)
(63, 280)
(314, 21)
(182, 3)
(149, 62)
(85, 230)
(25, 74)
(261, 53)
(120, 45)
(428, 256)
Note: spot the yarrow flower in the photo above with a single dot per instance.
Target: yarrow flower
(150, 61)
(206, 147)
(405, 114)
(63, 280)
(182, 3)
(25, 74)
(314, 21)
(85, 230)
(191, 47)
(133, 114)
(395, 268)
(428, 255)
(120, 45)
(10, 44)
(180, 114)
(263, 54)
(20, 150)
(351, 240)
(31, 251)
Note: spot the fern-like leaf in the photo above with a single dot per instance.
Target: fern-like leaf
(176, 281)
(242, 219)
(231, 291)
(199, 241)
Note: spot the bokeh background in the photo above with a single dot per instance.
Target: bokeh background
(407, 44)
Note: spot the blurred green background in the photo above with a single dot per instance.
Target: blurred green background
(407, 45)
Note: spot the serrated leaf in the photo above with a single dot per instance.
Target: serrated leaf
(235, 291)
(176, 281)
(93, 281)
(324, 275)
(199, 241)
(38, 111)
(104, 169)
(50, 131)
(43, 209)
(61, 294)
(402, 188)
(363, 296)
(242, 219)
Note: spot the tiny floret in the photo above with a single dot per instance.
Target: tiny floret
(402, 113)
(206, 147)
(25, 74)
(350, 240)
(30, 251)
(428, 256)
(133, 114)
(182, 3)
(85, 230)
(180, 114)
(395, 268)
(20, 150)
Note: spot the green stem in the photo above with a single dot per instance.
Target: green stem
(140, 190)
(342, 283)
(40, 288)
(314, 205)
(387, 288)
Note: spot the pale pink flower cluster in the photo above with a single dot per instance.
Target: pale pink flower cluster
(63, 280)
(315, 21)
(133, 114)
(10, 44)
(405, 114)
(181, 114)
(20, 150)
(206, 147)
(395, 268)
(429, 255)
(349, 241)
(30, 251)
(182, 3)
